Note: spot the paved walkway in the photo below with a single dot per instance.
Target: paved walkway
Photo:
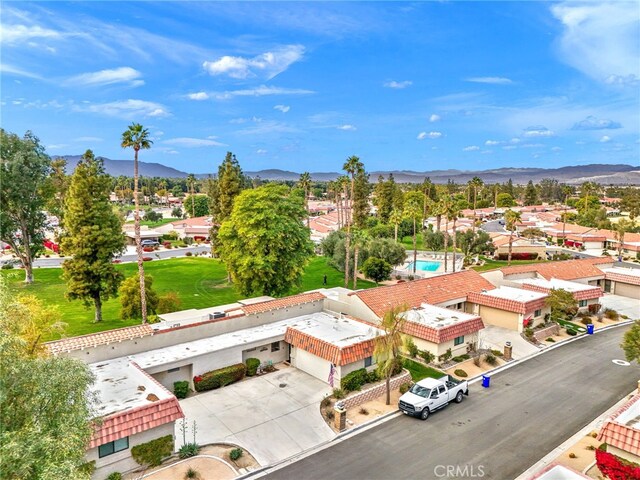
(273, 416)
(496, 337)
(623, 305)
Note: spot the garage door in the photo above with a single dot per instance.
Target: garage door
(500, 318)
(627, 290)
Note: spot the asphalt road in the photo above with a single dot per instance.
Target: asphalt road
(500, 432)
(493, 226)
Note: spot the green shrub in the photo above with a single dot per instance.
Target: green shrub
(445, 356)
(550, 339)
(191, 473)
(586, 320)
(460, 373)
(412, 348)
(168, 303)
(220, 377)
(461, 358)
(88, 467)
(491, 359)
(426, 355)
(571, 332)
(354, 380)
(372, 376)
(252, 366)
(325, 402)
(152, 453)
(188, 254)
(404, 388)
(330, 414)
(115, 476)
(181, 389)
(188, 450)
(611, 314)
(338, 393)
(235, 454)
(528, 332)
(7, 266)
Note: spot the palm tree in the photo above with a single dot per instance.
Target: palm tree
(511, 219)
(351, 166)
(453, 213)
(191, 182)
(476, 184)
(395, 218)
(387, 347)
(443, 208)
(360, 239)
(567, 191)
(413, 211)
(305, 184)
(137, 137)
(620, 229)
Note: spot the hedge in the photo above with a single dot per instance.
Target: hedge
(152, 453)
(181, 389)
(518, 256)
(354, 380)
(252, 366)
(219, 378)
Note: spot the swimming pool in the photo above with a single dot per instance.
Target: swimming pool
(424, 265)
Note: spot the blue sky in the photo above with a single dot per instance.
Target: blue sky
(302, 86)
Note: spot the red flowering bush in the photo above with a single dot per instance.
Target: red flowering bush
(147, 249)
(146, 259)
(614, 467)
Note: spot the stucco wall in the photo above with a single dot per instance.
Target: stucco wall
(315, 366)
(122, 461)
(500, 318)
(623, 454)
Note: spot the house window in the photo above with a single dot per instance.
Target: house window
(458, 340)
(113, 447)
(275, 346)
(171, 370)
(582, 303)
(537, 313)
(368, 362)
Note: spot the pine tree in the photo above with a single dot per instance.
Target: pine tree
(531, 194)
(222, 192)
(93, 235)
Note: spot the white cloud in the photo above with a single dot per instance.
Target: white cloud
(266, 65)
(126, 75)
(198, 96)
(600, 39)
(432, 135)
(471, 148)
(346, 127)
(260, 151)
(490, 143)
(486, 152)
(268, 127)
(88, 139)
(554, 149)
(12, 34)
(514, 140)
(630, 80)
(605, 139)
(538, 131)
(532, 145)
(282, 108)
(398, 85)
(58, 146)
(491, 80)
(593, 123)
(509, 147)
(434, 118)
(11, 70)
(189, 142)
(128, 109)
(260, 91)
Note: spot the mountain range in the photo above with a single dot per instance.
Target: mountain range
(618, 174)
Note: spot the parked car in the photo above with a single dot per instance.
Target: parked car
(147, 242)
(501, 222)
(431, 394)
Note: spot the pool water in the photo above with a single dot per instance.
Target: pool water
(424, 265)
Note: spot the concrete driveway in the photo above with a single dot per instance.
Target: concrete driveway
(495, 338)
(273, 416)
(623, 305)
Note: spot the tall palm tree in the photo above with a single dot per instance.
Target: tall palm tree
(476, 184)
(360, 239)
(351, 166)
(191, 182)
(395, 218)
(137, 137)
(413, 211)
(511, 219)
(443, 208)
(567, 191)
(387, 347)
(305, 184)
(619, 229)
(453, 213)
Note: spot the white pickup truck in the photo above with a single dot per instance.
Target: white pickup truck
(431, 394)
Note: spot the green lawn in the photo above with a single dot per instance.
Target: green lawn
(419, 371)
(158, 223)
(490, 264)
(199, 282)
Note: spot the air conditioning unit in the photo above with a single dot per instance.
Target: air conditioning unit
(216, 315)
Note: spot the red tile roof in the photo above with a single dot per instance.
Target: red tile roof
(444, 334)
(622, 278)
(433, 290)
(129, 422)
(328, 351)
(284, 302)
(565, 270)
(101, 338)
(585, 294)
(619, 435)
(507, 304)
(193, 222)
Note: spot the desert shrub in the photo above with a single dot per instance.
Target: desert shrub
(573, 455)
(330, 414)
(252, 366)
(188, 450)
(181, 389)
(191, 473)
(169, 302)
(152, 453)
(188, 254)
(325, 402)
(445, 356)
(114, 476)
(586, 320)
(412, 348)
(594, 308)
(404, 388)
(426, 355)
(146, 259)
(497, 353)
(338, 393)
(611, 314)
(491, 359)
(460, 373)
(354, 380)
(220, 377)
(461, 358)
(590, 447)
(550, 339)
(476, 361)
(363, 411)
(528, 332)
(235, 454)
(88, 467)
(147, 249)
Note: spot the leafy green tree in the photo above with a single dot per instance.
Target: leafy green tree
(413, 212)
(264, 243)
(24, 170)
(137, 137)
(532, 232)
(587, 189)
(433, 241)
(391, 252)
(152, 216)
(388, 346)
(475, 243)
(130, 297)
(197, 205)
(93, 236)
(562, 303)
(531, 194)
(505, 200)
(45, 416)
(376, 269)
(630, 202)
(631, 343)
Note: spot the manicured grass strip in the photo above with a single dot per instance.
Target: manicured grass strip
(158, 223)
(199, 283)
(491, 264)
(419, 371)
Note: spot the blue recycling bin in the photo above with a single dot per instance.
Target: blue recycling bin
(590, 329)
(486, 381)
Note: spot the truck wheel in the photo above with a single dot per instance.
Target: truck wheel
(424, 414)
(459, 397)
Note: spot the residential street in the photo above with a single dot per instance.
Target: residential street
(528, 411)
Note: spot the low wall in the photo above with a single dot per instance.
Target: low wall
(545, 333)
(374, 392)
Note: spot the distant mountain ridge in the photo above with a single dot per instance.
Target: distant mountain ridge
(618, 174)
